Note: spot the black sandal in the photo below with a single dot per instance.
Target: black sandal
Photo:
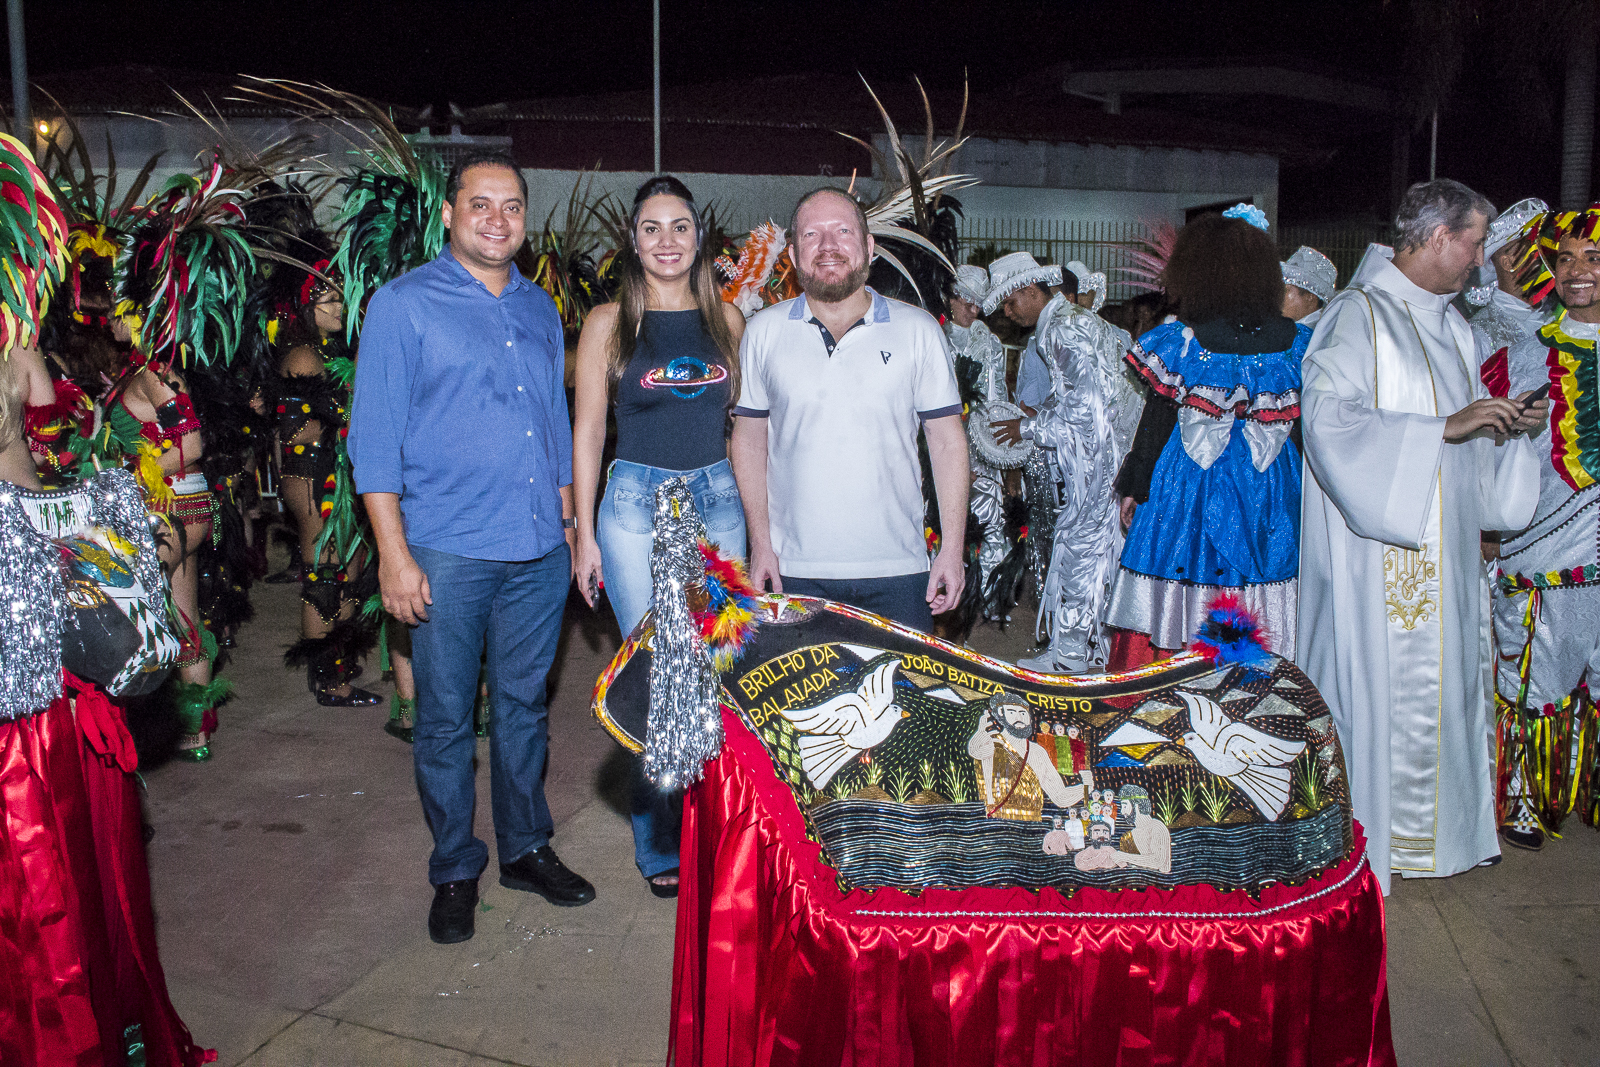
(665, 892)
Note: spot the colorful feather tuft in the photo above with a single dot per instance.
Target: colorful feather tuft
(729, 619)
(763, 275)
(185, 267)
(1144, 260)
(1231, 634)
(33, 238)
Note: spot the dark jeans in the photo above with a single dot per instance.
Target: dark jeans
(516, 608)
(902, 597)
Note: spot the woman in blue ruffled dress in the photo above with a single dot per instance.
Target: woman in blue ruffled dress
(1211, 488)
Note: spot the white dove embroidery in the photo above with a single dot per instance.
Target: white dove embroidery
(841, 728)
(1254, 761)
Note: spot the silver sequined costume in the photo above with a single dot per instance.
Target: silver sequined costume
(986, 498)
(1076, 422)
(1502, 323)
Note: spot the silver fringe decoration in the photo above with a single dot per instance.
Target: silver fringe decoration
(32, 592)
(1039, 487)
(685, 724)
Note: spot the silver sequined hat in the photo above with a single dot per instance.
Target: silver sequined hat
(1312, 271)
(1013, 271)
(1509, 223)
(1091, 281)
(971, 284)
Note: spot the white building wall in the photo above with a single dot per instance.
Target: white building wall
(742, 201)
(1089, 182)
(1019, 179)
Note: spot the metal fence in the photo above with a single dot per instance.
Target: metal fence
(1096, 244)
(1100, 244)
(1344, 244)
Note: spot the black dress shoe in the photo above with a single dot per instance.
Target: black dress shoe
(455, 906)
(542, 872)
(358, 698)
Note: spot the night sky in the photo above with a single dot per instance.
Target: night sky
(406, 52)
(476, 53)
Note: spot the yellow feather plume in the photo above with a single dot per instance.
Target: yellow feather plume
(158, 495)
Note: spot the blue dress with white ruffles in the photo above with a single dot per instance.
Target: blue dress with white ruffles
(1227, 524)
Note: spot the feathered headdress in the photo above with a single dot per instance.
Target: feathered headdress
(95, 215)
(390, 223)
(763, 274)
(185, 269)
(1535, 268)
(392, 217)
(32, 245)
(1145, 260)
(563, 262)
(88, 197)
(914, 214)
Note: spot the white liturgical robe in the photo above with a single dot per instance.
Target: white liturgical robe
(1393, 596)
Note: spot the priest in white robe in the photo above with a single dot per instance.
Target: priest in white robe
(1408, 459)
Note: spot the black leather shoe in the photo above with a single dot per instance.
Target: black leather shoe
(455, 906)
(358, 698)
(542, 872)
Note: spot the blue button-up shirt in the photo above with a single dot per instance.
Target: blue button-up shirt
(461, 408)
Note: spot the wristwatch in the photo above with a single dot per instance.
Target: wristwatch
(569, 524)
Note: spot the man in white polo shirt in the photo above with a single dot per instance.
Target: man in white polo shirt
(835, 386)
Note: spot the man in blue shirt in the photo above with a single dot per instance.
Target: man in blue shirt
(463, 454)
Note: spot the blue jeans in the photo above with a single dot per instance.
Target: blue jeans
(627, 517)
(516, 609)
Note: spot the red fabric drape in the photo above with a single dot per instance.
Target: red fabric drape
(775, 965)
(78, 960)
(1131, 650)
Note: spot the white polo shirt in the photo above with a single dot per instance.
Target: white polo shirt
(844, 484)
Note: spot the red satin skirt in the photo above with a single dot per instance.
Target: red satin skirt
(774, 964)
(79, 977)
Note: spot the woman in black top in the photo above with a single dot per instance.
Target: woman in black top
(666, 354)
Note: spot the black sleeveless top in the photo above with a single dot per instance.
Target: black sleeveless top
(672, 400)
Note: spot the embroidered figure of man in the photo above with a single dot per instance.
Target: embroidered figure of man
(1015, 772)
(1147, 845)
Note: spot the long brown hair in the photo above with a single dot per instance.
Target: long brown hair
(633, 290)
(12, 401)
(1224, 268)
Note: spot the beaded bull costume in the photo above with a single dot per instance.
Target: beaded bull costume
(883, 825)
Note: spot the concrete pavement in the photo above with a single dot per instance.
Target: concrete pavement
(291, 894)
